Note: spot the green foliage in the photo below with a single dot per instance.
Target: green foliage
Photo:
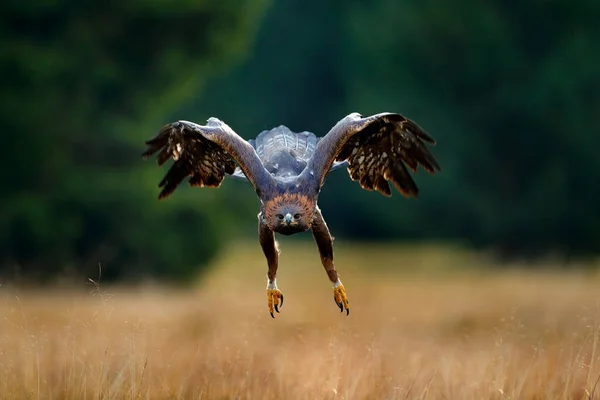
(509, 89)
(517, 93)
(84, 84)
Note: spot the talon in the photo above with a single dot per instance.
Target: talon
(340, 298)
(274, 300)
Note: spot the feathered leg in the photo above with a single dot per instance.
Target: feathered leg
(267, 241)
(325, 244)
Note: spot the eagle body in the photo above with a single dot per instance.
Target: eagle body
(287, 170)
(285, 155)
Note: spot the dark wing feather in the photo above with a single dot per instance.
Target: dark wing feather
(204, 154)
(377, 149)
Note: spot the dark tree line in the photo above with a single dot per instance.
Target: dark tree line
(511, 91)
(84, 84)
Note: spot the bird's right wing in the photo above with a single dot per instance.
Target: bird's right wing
(205, 154)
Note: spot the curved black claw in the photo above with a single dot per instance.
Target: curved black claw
(278, 306)
(340, 298)
(340, 305)
(274, 300)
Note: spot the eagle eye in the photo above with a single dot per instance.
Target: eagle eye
(296, 216)
(280, 216)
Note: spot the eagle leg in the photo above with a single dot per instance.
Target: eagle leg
(269, 246)
(324, 242)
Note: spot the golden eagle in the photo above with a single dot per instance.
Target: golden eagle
(288, 169)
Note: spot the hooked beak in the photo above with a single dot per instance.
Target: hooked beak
(288, 219)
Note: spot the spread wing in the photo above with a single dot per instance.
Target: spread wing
(204, 154)
(377, 149)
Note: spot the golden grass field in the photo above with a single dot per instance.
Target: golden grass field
(425, 323)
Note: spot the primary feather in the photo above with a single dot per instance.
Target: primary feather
(195, 157)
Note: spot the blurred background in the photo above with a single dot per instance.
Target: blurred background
(510, 90)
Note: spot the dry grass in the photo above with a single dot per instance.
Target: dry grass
(421, 335)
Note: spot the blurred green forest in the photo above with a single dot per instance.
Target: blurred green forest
(511, 91)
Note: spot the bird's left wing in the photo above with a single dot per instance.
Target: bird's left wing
(205, 154)
(377, 149)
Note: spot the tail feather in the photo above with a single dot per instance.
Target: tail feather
(300, 144)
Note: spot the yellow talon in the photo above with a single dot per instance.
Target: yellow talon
(339, 295)
(275, 300)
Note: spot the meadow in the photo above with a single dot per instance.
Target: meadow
(426, 322)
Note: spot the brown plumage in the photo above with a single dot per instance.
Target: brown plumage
(382, 151)
(306, 205)
(204, 162)
(287, 171)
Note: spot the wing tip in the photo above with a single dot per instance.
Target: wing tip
(407, 193)
(416, 128)
(164, 194)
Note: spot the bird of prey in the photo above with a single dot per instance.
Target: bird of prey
(288, 169)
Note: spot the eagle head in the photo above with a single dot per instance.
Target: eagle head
(289, 213)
